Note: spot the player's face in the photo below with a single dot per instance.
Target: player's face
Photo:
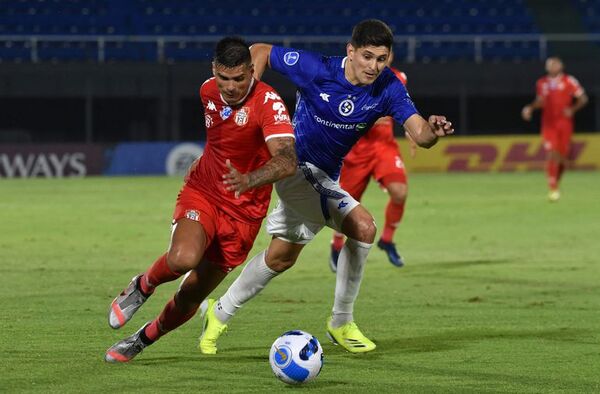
(233, 82)
(366, 63)
(554, 66)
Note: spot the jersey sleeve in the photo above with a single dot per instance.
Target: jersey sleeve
(299, 66)
(539, 88)
(274, 118)
(575, 88)
(402, 106)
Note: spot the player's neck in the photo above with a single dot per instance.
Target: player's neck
(242, 99)
(349, 74)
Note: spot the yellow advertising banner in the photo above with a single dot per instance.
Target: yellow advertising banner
(497, 153)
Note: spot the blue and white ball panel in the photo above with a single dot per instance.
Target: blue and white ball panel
(308, 201)
(296, 357)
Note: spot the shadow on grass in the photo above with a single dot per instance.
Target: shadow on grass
(457, 339)
(460, 264)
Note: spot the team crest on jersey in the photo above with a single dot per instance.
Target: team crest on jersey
(291, 58)
(192, 215)
(208, 121)
(346, 107)
(241, 116)
(225, 112)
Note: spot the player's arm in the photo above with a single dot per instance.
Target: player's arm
(527, 110)
(261, 54)
(580, 102)
(425, 133)
(281, 165)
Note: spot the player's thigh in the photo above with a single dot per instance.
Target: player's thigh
(233, 242)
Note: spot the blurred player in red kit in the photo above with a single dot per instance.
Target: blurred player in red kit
(377, 155)
(219, 210)
(559, 96)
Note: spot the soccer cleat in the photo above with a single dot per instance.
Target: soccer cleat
(390, 249)
(554, 195)
(126, 349)
(350, 338)
(212, 328)
(333, 259)
(126, 304)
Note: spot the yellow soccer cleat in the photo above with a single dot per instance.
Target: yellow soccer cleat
(554, 196)
(350, 338)
(212, 328)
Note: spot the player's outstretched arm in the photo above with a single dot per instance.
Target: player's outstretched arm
(261, 54)
(425, 133)
(281, 165)
(527, 110)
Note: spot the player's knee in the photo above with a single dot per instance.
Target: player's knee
(366, 230)
(181, 260)
(188, 301)
(280, 263)
(399, 197)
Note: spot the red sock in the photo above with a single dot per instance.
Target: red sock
(393, 216)
(561, 169)
(157, 274)
(169, 319)
(338, 241)
(552, 169)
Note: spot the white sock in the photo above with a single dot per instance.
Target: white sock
(350, 267)
(254, 277)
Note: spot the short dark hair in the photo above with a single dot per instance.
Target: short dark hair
(372, 32)
(232, 52)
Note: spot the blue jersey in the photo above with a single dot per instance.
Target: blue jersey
(331, 113)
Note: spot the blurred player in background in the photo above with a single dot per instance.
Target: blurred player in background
(219, 210)
(339, 99)
(377, 155)
(559, 96)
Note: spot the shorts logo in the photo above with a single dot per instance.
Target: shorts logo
(192, 215)
(241, 116)
(291, 58)
(342, 204)
(225, 112)
(208, 121)
(346, 107)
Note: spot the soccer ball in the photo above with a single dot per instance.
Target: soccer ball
(296, 357)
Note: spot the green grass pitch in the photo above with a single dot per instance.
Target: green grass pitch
(500, 293)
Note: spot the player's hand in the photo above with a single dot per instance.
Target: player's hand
(234, 180)
(440, 125)
(526, 113)
(568, 112)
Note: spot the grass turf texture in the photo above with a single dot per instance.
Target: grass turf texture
(500, 292)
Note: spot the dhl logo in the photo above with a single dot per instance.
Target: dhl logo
(485, 154)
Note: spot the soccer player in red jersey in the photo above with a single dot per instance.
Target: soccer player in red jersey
(377, 155)
(559, 96)
(219, 210)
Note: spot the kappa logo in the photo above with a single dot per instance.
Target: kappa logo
(324, 96)
(271, 96)
(346, 107)
(342, 204)
(208, 121)
(241, 116)
(211, 105)
(291, 58)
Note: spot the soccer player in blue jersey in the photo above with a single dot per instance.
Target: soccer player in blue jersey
(339, 99)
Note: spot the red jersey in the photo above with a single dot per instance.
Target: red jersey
(382, 131)
(557, 93)
(239, 133)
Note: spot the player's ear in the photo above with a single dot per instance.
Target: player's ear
(349, 50)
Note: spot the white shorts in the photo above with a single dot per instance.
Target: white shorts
(308, 201)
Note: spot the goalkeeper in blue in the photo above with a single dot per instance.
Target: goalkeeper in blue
(339, 99)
